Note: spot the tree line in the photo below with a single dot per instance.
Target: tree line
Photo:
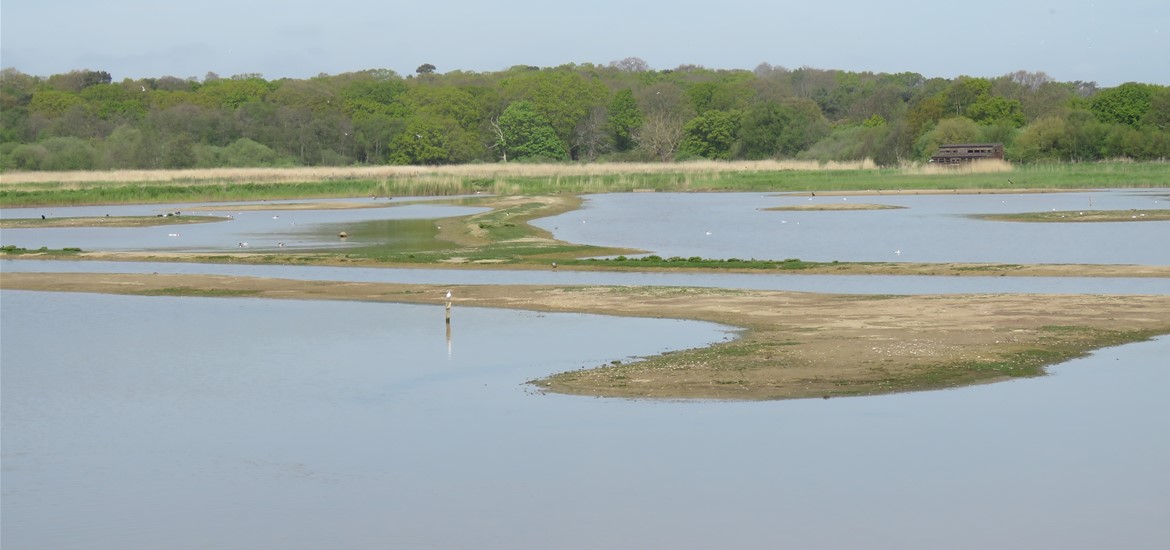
(623, 111)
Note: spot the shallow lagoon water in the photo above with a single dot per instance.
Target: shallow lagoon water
(255, 229)
(929, 228)
(146, 422)
(136, 422)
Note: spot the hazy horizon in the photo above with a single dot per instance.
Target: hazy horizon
(1109, 45)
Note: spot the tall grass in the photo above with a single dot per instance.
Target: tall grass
(217, 185)
(399, 173)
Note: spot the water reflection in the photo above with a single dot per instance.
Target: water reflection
(929, 228)
(406, 235)
(268, 230)
(343, 425)
(133, 422)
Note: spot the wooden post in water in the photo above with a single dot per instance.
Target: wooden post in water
(448, 307)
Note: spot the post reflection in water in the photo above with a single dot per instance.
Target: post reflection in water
(448, 323)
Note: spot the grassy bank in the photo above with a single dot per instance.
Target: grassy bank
(107, 221)
(142, 187)
(1070, 216)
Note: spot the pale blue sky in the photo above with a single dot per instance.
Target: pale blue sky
(1106, 42)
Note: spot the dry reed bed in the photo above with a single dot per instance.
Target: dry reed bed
(376, 173)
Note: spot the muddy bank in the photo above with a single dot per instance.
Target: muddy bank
(793, 345)
(952, 269)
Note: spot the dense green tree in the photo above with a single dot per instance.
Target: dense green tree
(875, 140)
(314, 95)
(232, 93)
(53, 103)
(925, 113)
(847, 88)
(69, 153)
(780, 129)
(241, 153)
(1084, 137)
(16, 92)
(1125, 141)
(1042, 140)
(373, 134)
(990, 110)
(291, 134)
(126, 147)
(371, 96)
(114, 102)
(171, 84)
(964, 92)
(208, 126)
(78, 121)
(28, 157)
(179, 152)
(710, 135)
(623, 111)
(1159, 114)
(1126, 104)
(433, 139)
(564, 98)
(885, 100)
(700, 95)
(526, 135)
(624, 119)
(445, 101)
(724, 93)
(948, 130)
(75, 81)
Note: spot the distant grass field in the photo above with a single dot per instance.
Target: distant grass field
(219, 185)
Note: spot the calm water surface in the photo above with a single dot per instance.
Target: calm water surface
(929, 228)
(256, 229)
(150, 422)
(136, 422)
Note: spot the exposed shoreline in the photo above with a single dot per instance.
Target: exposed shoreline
(793, 344)
(951, 269)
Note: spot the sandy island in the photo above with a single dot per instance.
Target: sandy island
(792, 344)
(831, 207)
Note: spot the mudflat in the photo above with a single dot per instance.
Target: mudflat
(790, 344)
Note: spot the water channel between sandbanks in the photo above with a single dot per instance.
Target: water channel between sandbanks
(146, 422)
(924, 228)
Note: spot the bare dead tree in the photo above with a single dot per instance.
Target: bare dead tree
(501, 143)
